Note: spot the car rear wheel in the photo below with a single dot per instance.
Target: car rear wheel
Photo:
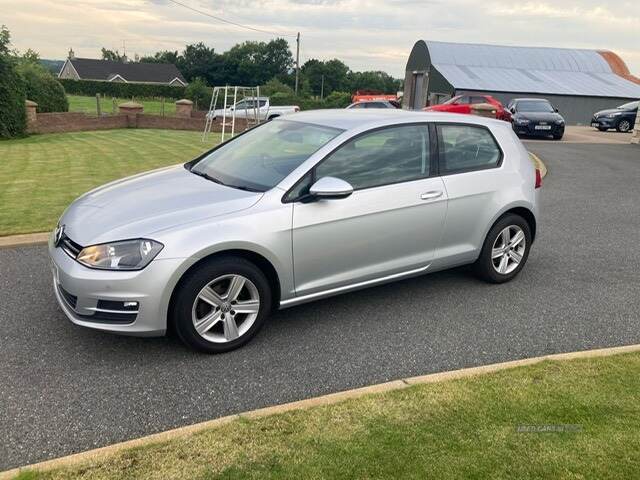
(624, 126)
(221, 305)
(505, 250)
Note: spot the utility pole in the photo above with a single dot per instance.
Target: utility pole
(297, 60)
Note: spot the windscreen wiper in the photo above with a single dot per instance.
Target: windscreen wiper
(208, 177)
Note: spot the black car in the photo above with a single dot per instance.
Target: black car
(622, 118)
(536, 117)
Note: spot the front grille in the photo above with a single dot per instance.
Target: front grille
(110, 317)
(70, 300)
(70, 247)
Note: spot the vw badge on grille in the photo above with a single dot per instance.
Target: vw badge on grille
(58, 233)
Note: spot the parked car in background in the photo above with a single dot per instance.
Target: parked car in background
(250, 107)
(367, 95)
(536, 117)
(375, 104)
(622, 118)
(209, 248)
(464, 103)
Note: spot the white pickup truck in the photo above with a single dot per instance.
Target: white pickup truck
(247, 108)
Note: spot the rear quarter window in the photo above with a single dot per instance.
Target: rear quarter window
(465, 148)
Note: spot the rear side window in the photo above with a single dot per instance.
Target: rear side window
(466, 147)
(382, 157)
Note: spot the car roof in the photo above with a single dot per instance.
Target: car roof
(530, 100)
(348, 119)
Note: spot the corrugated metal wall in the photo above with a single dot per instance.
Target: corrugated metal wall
(575, 110)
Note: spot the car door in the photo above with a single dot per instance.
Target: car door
(469, 157)
(390, 225)
(462, 105)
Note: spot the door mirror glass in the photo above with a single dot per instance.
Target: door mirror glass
(555, 109)
(512, 109)
(331, 187)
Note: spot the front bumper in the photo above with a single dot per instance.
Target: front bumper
(530, 130)
(603, 122)
(83, 292)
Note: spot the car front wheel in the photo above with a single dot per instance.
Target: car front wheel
(505, 250)
(624, 126)
(221, 305)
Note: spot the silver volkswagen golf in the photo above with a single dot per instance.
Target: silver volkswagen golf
(297, 209)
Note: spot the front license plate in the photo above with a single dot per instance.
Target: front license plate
(543, 127)
(594, 124)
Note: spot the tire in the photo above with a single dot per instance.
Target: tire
(206, 297)
(624, 126)
(486, 267)
(558, 136)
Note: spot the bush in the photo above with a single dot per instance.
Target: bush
(274, 86)
(121, 90)
(337, 100)
(198, 92)
(13, 116)
(42, 88)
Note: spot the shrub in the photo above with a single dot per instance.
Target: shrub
(198, 92)
(42, 88)
(13, 117)
(337, 100)
(121, 90)
(274, 86)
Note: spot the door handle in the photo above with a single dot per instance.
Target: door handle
(431, 195)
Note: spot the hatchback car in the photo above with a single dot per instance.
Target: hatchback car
(536, 117)
(465, 103)
(299, 208)
(622, 118)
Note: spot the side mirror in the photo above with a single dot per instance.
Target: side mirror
(555, 109)
(330, 188)
(512, 110)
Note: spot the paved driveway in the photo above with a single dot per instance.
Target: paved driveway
(64, 389)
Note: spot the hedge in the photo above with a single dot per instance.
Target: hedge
(334, 100)
(121, 90)
(13, 117)
(43, 88)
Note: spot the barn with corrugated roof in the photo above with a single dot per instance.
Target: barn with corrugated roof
(577, 82)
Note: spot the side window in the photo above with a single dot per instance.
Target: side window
(375, 105)
(463, 100)
(391, 155)
(476, 100)
(466, 147)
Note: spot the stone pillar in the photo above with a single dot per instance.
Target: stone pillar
(32, 117)
(131, 110)
(184, 108)
(635, 138)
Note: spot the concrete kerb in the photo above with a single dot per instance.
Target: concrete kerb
(99, 453)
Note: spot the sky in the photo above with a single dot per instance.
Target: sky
(365, 34)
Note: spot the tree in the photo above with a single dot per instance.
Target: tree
(373, 80)
(198, 92)
(335, 73)
(13, 122)
(254, 63)
(164, 56)
(198, 60)
(112, 55)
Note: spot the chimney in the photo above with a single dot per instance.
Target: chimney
(71, 54)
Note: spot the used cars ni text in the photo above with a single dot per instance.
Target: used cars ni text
(299, 208)
(536, 117)
(622, 118)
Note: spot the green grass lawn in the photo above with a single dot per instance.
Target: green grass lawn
(89, 105)
(467, 428)
(40, 175)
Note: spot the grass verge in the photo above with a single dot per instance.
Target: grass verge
(40, 175)
(564, 420)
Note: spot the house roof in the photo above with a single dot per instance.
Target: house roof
(92, 69)
(561, 71)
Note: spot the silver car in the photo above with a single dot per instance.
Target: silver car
(297, 209)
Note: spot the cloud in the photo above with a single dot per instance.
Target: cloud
(367, 34)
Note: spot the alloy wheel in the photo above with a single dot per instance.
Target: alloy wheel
(624, 126)
(226, 308)
(508, 249)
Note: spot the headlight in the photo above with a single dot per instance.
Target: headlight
(612, 115)
(125, 255)
(522, 121)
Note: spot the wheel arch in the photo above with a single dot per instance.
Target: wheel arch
(523, 212)
(259, 260)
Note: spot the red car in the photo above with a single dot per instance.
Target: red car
(463, 103)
